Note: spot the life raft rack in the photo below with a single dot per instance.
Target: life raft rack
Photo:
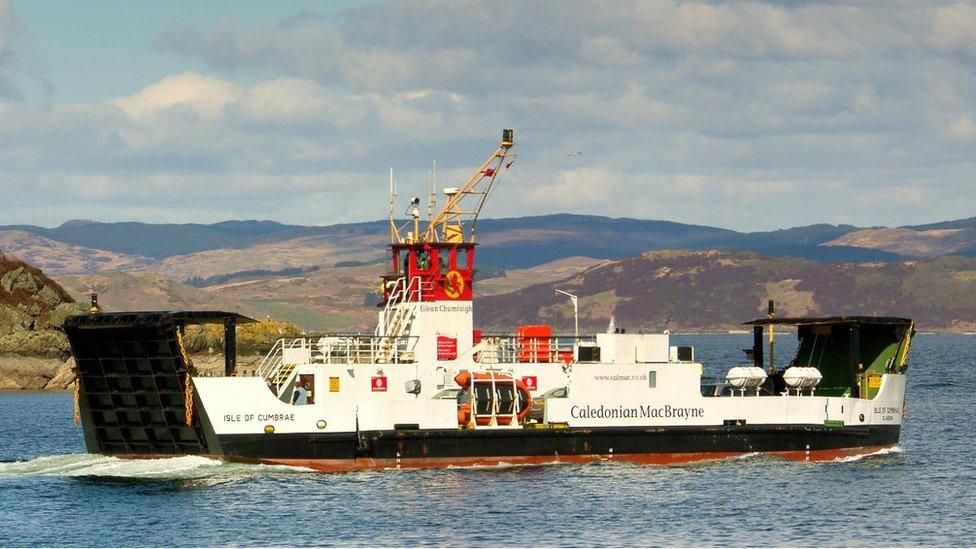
(494, 399)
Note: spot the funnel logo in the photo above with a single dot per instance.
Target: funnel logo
(453, 284)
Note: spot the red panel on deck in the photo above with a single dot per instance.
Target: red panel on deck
(533, 342)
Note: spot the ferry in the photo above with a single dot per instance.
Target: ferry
(429, 389)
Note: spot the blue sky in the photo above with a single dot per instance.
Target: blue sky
(749, 115)
(80, 51)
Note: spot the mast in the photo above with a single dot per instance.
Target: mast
(394, 231)
(431, 190)
(464, 203)
(455, 222)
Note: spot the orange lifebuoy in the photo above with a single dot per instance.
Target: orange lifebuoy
(464, 414)
(520, 385)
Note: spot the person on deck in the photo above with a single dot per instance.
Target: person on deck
(300, 396)
(423, 260)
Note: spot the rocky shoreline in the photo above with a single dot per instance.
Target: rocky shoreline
(31, 373)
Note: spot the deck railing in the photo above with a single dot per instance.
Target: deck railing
(509, 349)
(339, 349)
(371, 349)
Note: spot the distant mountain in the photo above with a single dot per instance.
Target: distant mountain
(717, 290)
(511, 243)
(968, 223)
(118, 291)
(184, 251)
(165, 240)
(528, 241)
(78, 222)
(55, 257)
(938, 239)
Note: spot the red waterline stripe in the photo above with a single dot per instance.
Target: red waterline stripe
(364, 464)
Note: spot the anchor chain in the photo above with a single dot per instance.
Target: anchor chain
(188, 401)
(77, 416)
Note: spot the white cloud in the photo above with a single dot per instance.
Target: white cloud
(745, 114)
(575, 188)
(205, 95)
(954, 28)
(963, 128)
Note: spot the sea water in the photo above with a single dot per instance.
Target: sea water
(923, 492)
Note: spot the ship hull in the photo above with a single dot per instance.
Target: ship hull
(461, 448)
(137, 397)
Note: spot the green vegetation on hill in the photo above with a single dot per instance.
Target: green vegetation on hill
(717, 290)
(256, 338)
(198, 282)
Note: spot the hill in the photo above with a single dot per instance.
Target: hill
(327, 298)
(29, 300)
(80, 247)
(56, 257)
(516, 279)
(121, 291)
(950, 238)
(717, 290)
(165, 239)
(528, 241)
(33, 352)
(310, 251)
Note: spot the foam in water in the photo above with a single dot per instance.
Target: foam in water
(183, 467)
(859, 457)
(506, 465)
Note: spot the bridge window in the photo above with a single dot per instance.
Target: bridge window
(443, 257)
(423, 260)
(396, 263)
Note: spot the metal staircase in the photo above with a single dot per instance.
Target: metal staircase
(274, 368)
(397, 316)
(282, 378)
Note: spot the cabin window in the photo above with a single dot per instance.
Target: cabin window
(423, 260)
(462, 259)
(443, 258)
(308, 381)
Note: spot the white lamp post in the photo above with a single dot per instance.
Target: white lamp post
(575, 301)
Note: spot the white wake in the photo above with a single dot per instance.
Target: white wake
(183, 467)
(859, 457)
